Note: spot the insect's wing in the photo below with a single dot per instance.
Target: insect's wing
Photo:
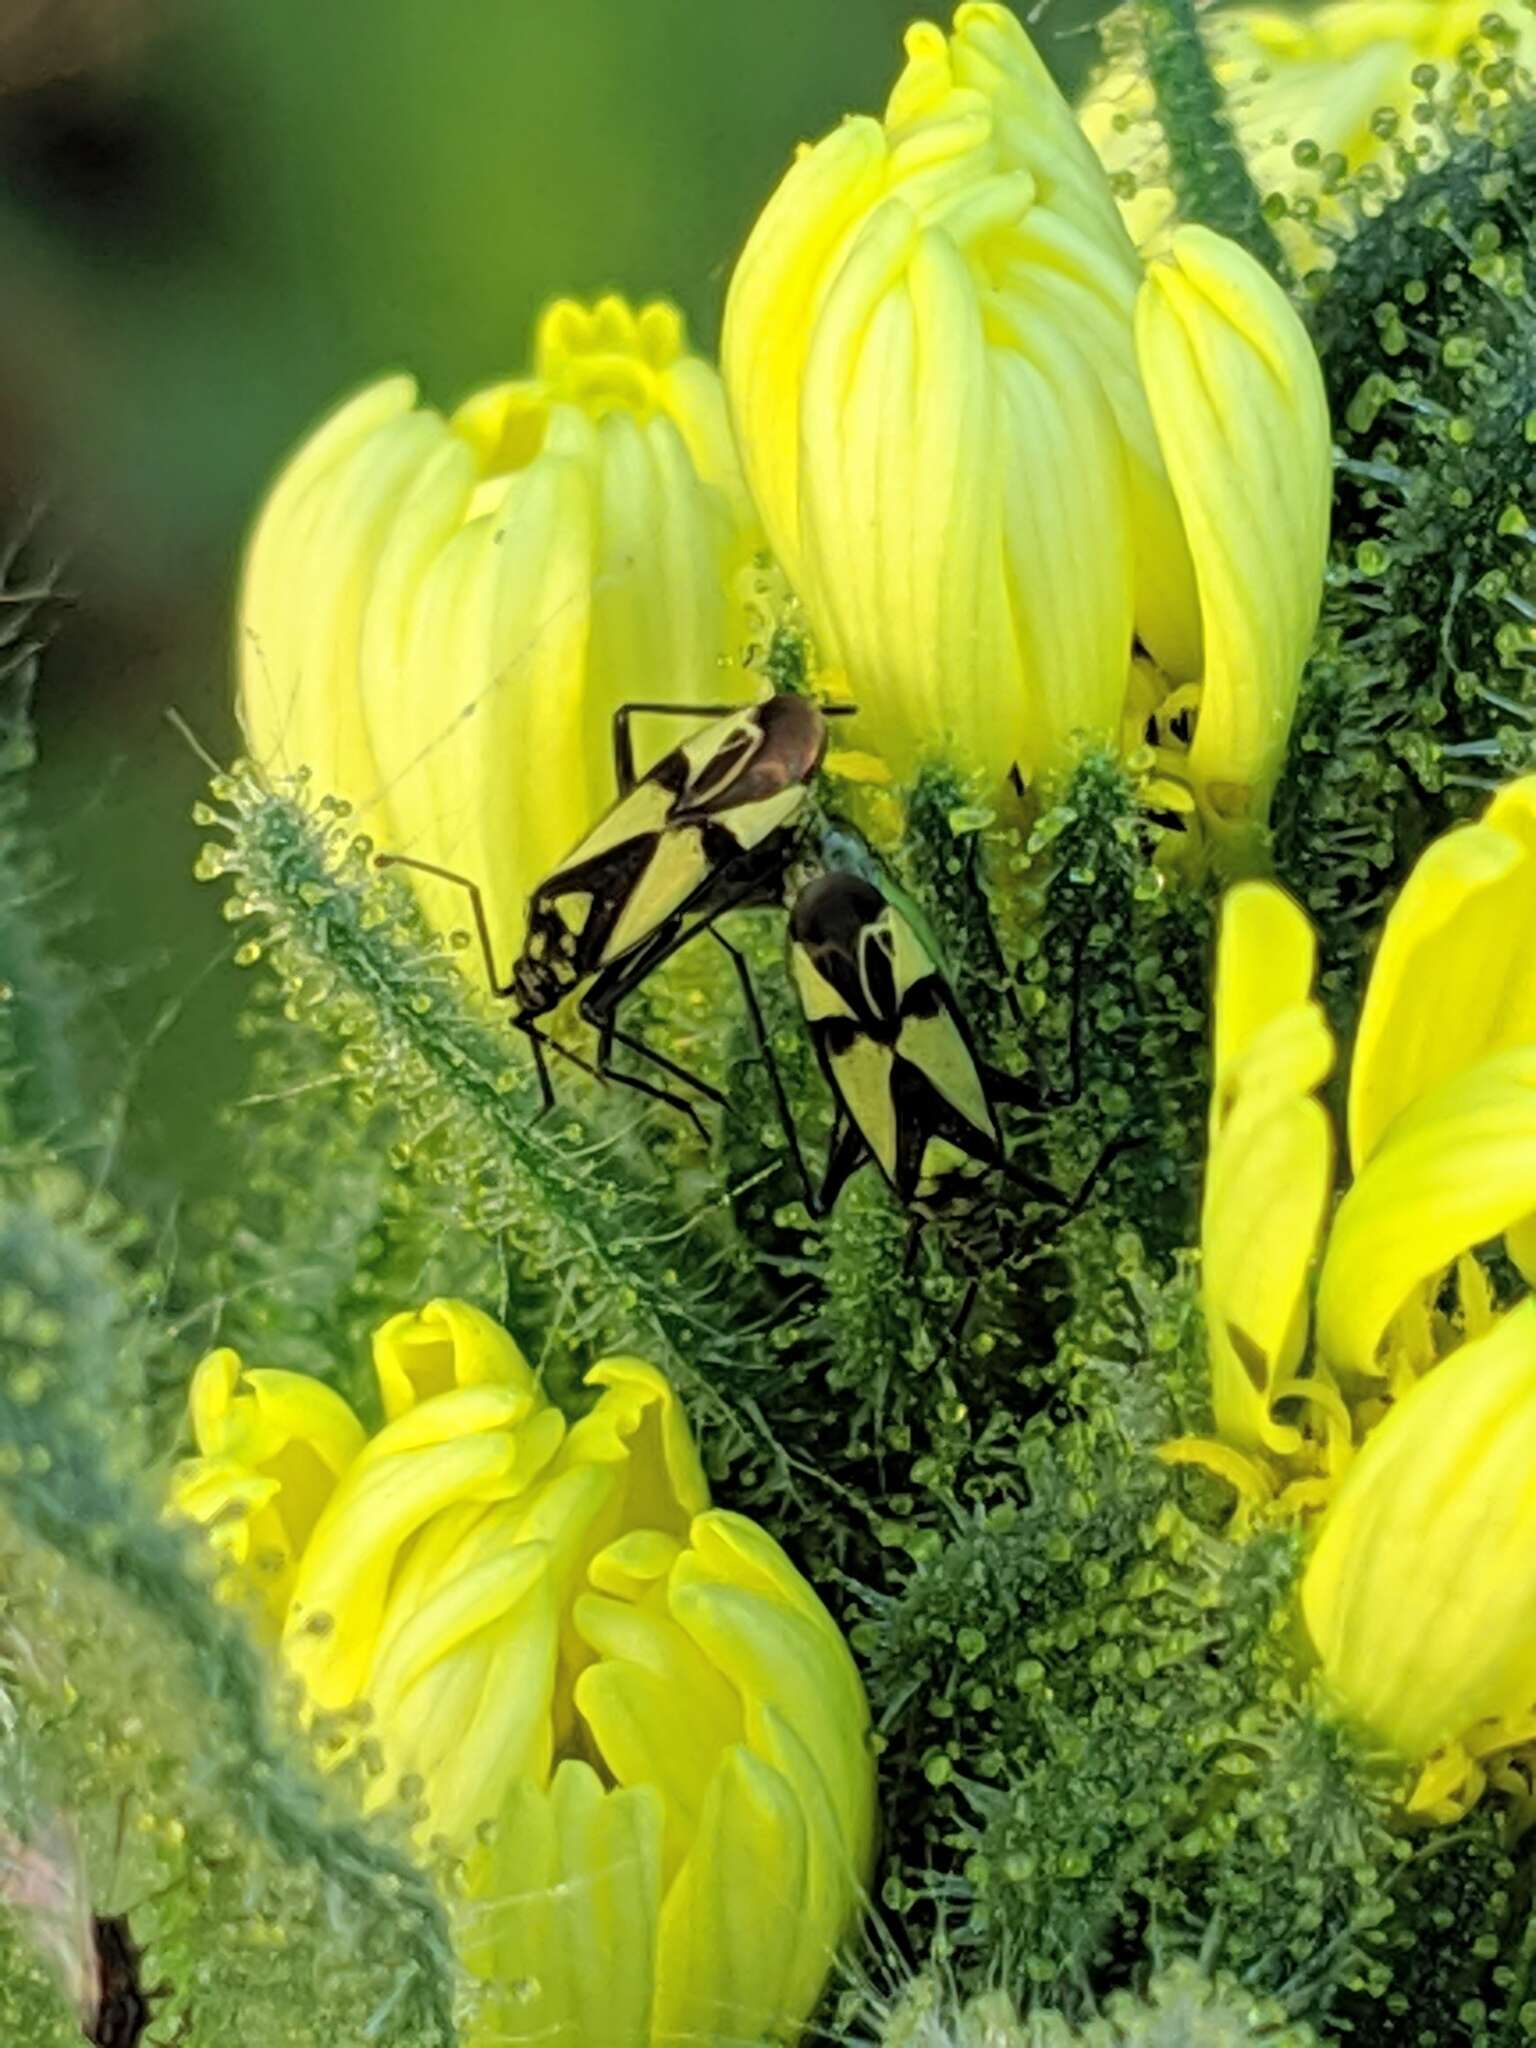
(750, 775)
(948, 1131)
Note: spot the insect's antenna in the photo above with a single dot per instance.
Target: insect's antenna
(839, 710)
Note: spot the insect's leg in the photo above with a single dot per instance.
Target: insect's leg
(623, 741)
(1096, 1172)
(965, 1311)
(775, 1078)
(659, 1094)
(846, 1153)
(914, 1245)
(643, 1051)
(1032, 1184)
(476, 903)
(537, 1042)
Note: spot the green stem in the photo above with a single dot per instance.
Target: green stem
(1210, 175)
(61, 1489)
(629, 1244)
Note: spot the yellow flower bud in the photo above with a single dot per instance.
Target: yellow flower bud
(273, 1446)
(1238, 400)
(928, 350)
(1421, 1593)
(995, 460)
(1321, 75)
(717, 1881)
(440, 616)
(512, 1602)
(1270, 1165)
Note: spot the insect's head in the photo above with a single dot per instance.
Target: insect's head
(544, 972)
(835, 929)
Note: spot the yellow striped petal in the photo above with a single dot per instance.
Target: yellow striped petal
(1455, 974)
(457, 1447)
(1453, 1171)
(731, 1924)
(1241, 415)
(1421, 1593)
(560, 1923)
(462, 1694)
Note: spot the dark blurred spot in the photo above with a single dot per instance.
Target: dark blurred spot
(95, 164)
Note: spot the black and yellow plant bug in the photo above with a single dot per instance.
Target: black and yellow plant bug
(710, 828)
(911, 1092)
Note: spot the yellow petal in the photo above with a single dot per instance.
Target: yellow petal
(1266, 1195)
(1455, 974)
(446, 1344)
(1270, 1167)
(456, 1447)
(762, 1626)
(658, 1711)
(1238, 399)
(731, 1923)
(638, 1424)
(560, 1921)
(775, 290)
(1266, 956)
(497, 1622)
(1421, 1593)
(281, 708)
(1453, 1171)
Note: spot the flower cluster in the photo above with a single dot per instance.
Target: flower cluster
(623, 1712)
(1415, 1426)
(956, 392)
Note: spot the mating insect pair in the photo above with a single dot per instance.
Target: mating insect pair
(716, 825)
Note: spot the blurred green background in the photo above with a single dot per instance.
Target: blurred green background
(216, 216)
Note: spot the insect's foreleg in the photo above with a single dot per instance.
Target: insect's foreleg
(623, 740)
(476, 903)
(775, 1078)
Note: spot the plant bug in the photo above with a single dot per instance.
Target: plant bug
(910, 1090)
(709, 828)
